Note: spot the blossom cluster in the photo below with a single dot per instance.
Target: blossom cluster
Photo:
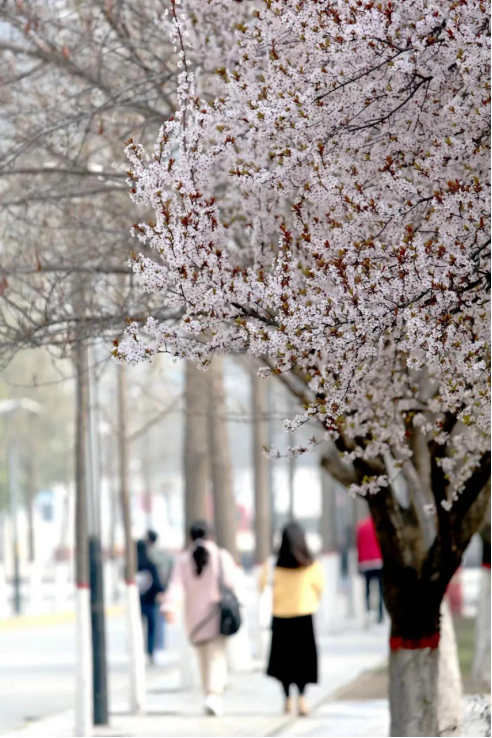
(321, 201)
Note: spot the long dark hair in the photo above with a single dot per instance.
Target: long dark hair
(293, 551)
(143, 560)
(199, 533)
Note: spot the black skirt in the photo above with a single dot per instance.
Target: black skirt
(293, 655)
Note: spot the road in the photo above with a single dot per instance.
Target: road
(37, 670)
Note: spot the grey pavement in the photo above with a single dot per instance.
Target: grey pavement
(37, 670)
(343, 718)
(253, 703)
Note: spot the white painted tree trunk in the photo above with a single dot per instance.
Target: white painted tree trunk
(481, 660)
(331, 609)
(262, 613)
(36, 603)
(260, 441)
(4, 593)
(450, 692)
(239, 646)
(132, 598)
(220, 460)
(425, 687)
(135, 649)
(413, 676)
(83, 703)
(355, 601)
(195, 448)
(61, 599)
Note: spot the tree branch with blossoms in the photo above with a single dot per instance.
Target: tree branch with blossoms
(321, 202)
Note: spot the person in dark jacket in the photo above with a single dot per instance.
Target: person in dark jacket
(150, 588)
(164, 563)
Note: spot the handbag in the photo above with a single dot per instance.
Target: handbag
(229, 610)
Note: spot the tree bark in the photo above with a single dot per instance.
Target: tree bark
(262, 512)
(196, 467)
(220, 460)
(134, 622)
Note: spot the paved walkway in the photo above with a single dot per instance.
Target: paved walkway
(253, 703)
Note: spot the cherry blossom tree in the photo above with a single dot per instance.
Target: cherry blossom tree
(323, 206)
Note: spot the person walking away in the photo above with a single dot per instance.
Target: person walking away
(150, 589)
(370, 563)
(298, 583)
(196, 579)
(164, 564)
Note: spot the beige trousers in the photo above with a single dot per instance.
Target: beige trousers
(212, 658)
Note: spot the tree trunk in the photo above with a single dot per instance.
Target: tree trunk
(30, 495)
(481, 659)
(2, 538)
(425, 682)
(291, 473)
(262, 512)
(329, 530)
(449, 688)
(83, 708)
(134, 621)
(413, 678)
(220, 460)
(413, 605)
(146, 455)
(4, 590)
(418, 564)
(196, 466)
(330, 611)
(114, 508)
(111, 471)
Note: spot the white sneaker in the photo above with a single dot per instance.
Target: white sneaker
(213, 705)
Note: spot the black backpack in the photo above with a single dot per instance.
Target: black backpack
(230, 609)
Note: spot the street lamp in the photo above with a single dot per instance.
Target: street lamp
(10, 407)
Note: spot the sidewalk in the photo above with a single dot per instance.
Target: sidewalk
(48, 619)
(253, 703)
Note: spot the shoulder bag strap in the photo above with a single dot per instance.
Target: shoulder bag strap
(221, 572)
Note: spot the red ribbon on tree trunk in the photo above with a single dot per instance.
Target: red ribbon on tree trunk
(412, 644)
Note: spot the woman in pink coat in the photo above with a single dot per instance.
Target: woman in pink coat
(196, 579)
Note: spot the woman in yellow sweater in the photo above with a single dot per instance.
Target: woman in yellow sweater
(297, 582)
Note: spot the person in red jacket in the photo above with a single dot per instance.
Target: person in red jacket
(370, 561)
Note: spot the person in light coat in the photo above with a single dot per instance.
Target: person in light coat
(196, 581)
